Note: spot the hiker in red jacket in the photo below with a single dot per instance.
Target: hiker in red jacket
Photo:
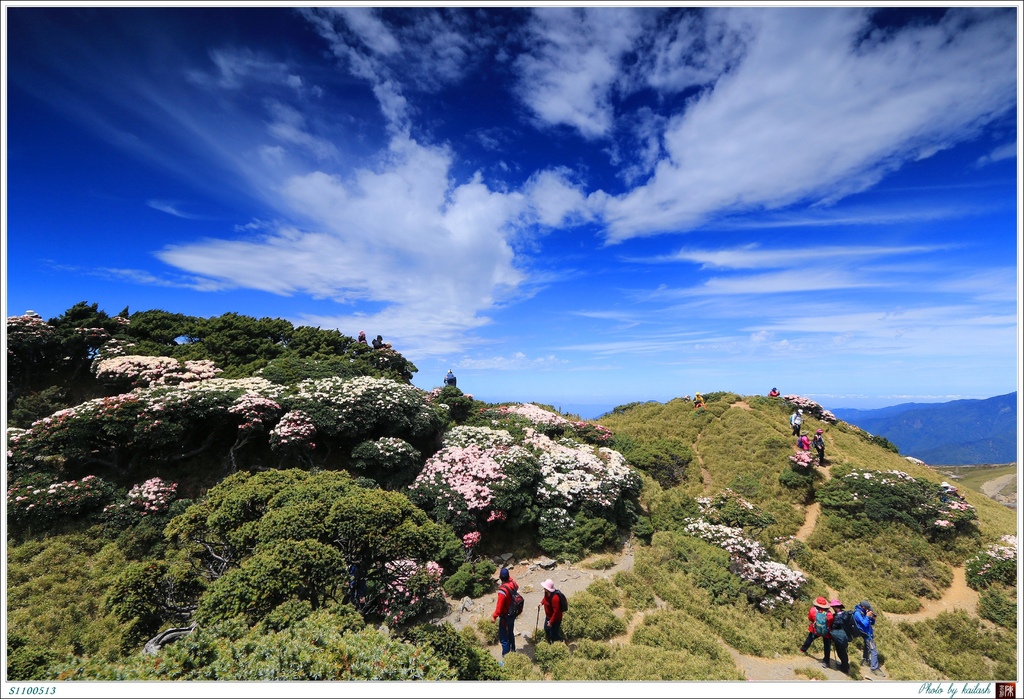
(503, 613)
(552, 604)
(819, 626)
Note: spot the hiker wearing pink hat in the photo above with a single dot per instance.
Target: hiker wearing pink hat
(820, 616)
(842, 631)
(819, 444)
(554, 606)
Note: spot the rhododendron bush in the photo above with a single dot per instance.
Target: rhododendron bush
(752, 562)
(895, 496)
(811, 407)
(485, 478)
(173, 422)
(36, 502)
(996, 564)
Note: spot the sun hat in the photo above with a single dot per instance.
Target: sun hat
(548, 585)
(821, 602)
(819, 431)
(503, 574)
(835, 603)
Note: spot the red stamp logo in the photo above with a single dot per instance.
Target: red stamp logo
(1006, 690)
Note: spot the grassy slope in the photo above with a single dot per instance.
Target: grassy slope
(744, 449)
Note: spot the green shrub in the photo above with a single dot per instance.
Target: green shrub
(996, 564)
(594, 662)
(637, 593)
(459, 404)
(959, 646)
(600, 563)
(666, 460)
(999, 607)
(592, 617)
(471, 579)
(465, 656)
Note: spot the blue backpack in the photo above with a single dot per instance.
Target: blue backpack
(821, 623)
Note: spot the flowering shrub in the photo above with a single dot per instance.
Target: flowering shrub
(34, 502)
(139, 371)
(592, 433)
(255, 411)
(295, 430)
(410, 589)
(153, 497)
(730, 509)
(461, 485)
(483, 437)
(803, 460)
(751, 562)
(997, 563)
(895, 496)
(387, 454)
(578, 476)
(520, 416)
(811, 407)
(353, 410)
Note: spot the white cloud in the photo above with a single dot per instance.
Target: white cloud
(169, 208)
(754, 257)
(811, 114)
(434, 253)
(1003, 152)
(573, 64)
(518, 361)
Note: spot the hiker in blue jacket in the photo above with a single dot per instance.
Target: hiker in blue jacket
(864, 618)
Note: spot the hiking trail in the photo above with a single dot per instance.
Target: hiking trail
(575, 578)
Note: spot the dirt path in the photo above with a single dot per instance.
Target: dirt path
(813, 510)
(957, 596)
(993, 487)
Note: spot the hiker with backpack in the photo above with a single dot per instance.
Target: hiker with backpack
(820, 615)
(804, 442)
(554, 604)
(819, 444)
(864, 617)
(796, 420)
(842, 631)
(507, 608)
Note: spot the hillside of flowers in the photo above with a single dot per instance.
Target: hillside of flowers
(249, 500)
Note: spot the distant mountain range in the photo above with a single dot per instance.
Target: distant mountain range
(957, 433)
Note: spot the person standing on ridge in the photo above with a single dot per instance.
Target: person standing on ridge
(774, 393)
(796, 420)
(553, 610)
(449, 379)
(504, 614)
(819, 444)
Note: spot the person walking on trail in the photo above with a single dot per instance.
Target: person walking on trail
(820, 615)
(796, 420)
(819, 444)
(864, 618)
(449, 379)
(553, 610)
(841, 631)
(504, 614)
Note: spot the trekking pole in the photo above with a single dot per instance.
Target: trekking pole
(536, 626)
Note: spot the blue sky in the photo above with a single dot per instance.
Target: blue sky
(581, 206)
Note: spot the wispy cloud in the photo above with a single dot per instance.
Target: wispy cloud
(170, 208)
(518, 361)
(815, 113)
(1003, 152)
(754, 256)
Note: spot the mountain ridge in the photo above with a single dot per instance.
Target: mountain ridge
(962, 432)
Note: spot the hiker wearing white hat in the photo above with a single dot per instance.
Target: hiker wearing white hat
(554, 604)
